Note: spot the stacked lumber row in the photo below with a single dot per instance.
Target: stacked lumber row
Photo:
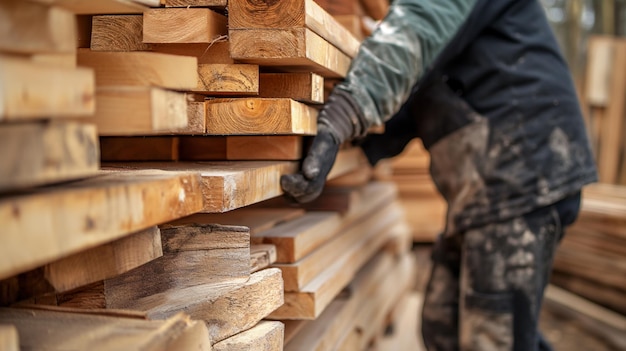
(604, 100)
(591, 258)
(424, 205)
(358, 16)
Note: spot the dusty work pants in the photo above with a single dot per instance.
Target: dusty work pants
(487, 283)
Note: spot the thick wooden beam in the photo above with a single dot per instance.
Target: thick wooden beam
(249, 14)
(303, 87)
(110, 7)
(292, 50)
(42, 153)
(149, 148)
(227, 79)
(141, 68)
(128, 110)
(57, 331)
(118, 33)
(241, 148)
(31, 90)
(228, 185)
(183, 25)
(29, 28)
(265, 336)
(261, 256)
(50, 223)
(196, 3)
(254, 116)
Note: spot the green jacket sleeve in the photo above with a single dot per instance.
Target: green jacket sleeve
(393, 59)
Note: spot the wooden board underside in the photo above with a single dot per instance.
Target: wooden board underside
(241, 148)
(90, 7)
(304, 87)
(57, 221)
(149, 148)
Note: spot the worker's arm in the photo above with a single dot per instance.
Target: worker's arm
(389, 64)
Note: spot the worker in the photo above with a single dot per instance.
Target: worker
(482, 83)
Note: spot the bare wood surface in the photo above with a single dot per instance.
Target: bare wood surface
(61, 220)
(261, 256)
(118, 33)
(31, 90)
(241, 148)
(195, 3)
(42, 153)
(29, 28)
(145, 148)
(260, 116)
(376, 9)
(216, 52)
(9, 340)
(304, 87)
(82, 7)
(183, 25)
(141, 68)
(227, 79)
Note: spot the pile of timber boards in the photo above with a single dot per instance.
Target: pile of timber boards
(591, 260)
(195, 115)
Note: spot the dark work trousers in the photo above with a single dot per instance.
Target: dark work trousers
(487, 283)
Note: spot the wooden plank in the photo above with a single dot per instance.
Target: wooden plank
(87, 7)
(9, 340)
(29, 28)
(598, 77)
(290, 50)
(216, 52)
(260, 116)
(183, 25)
(229, 185)
(196, 116)
(360, 176)
(42, 153)
(148, 148)
(352, 23)
(303, 87)
(376, 9)
(311, 301)
(128, 110)
(227, 79)
(265, 336)
(31, 90)
(262, 256)
(58, 221)
(118, 33)
(256, 219)
(83, 268)
(405, 324)
(346, 161)
(196, 3)
(141, 68)
(344, 7)
(241, 148)
(248, 14)
(58, 331)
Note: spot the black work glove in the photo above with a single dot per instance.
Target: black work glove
(340, 120)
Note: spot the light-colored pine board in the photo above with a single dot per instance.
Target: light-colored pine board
(9, 340)
(260, 116)
(352, 23)
(311, 301)
(196, 3)
(344, 7)
(360, 176)
(40, 153)
(58, 221)
(117, 33)
(347, 160)
(249, 14)
(141, 68)
(405, 325)
(148, 148)
(227, 79)
(28, 28)
(31, 90)
(196, 117)
(57, 331)
(134, 110)
(57, 60)
(183, 25)
(229, 185)
(291, 50)
(90, 7)
(265, 336)
(216, 52)
(256, 219)
(303, 87)
(262, 256)
(241, 148)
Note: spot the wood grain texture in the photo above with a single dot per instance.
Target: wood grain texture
(149, 148)
(196, 3)
(228, 185)
(42, 153)
(352, 23)
(265, 336)
(291, 50)
(261, 256)
(249, 14)
(141, 68)
(216, 52)
(376, 9)
(128, 110)
(118, 33)
(344, 7)
(82, 7)
(57, 221)
(31, 90)
(241, 148)
(56, 331)
(227, 79)
(183, 25)
(196, 118)
(28, 28)
(303, 87)
(260, 116)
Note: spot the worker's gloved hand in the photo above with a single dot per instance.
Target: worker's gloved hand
(340, 120)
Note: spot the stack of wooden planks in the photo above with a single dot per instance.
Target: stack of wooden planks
(425, 207)
(591, 258)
